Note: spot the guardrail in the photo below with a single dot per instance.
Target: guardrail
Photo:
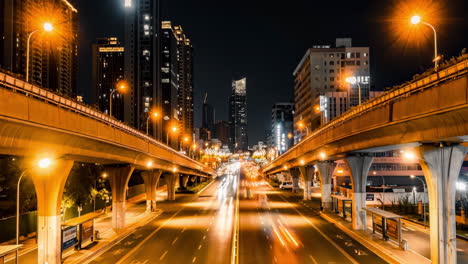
(454, 71)
(28, 89)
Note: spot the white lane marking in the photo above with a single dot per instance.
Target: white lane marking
(313, 259)
(194, 259)
(208, 229)
(204, 237)
(163, 255)
(409, 228)
(199, 246)
(173, 242)
(183, 230)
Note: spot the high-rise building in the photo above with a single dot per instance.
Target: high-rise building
(208, 119)
(185, 80)
(169, 79)
(222, 131)
(142, 63)
(53, 55)
(282, 128)
(324, 69)
(238, 115)
(108, 69)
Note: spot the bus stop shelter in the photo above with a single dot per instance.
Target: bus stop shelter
(6, 250)
(78, 230)
(342, 206)
(386, 223)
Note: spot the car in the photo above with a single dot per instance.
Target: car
(286, 185)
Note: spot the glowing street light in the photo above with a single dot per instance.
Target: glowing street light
(173, 129)
(353, 80)
(153, 114)
(46, 27)
(149, 164)
(409, 155)
(120, 87)
(322, 155)
(44, 163)
(417, 20)
(425, 189)
(301, 126)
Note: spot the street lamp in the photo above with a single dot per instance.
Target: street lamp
(47, 27)
(103, 175)
(43, 164)
(423, 204)
(353, 80)
(416, 20)
(173, 129)
(121, 87)
(154, 114)
(301, 126)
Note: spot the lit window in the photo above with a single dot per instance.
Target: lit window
(348, 55)
(146, 27)
(147, 17)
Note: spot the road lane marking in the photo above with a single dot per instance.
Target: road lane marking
(313, 259)
(173, 242)
(194, 259)
(204, 237)
(199, 246)
(163, 255)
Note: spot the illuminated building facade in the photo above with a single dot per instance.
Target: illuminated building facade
(53, 55)
(282, 126)
(142, 49)
(108, 69)
(238, 115)
(322, 70)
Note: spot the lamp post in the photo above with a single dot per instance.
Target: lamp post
(301, 125)
(152, 114)
(47, 27)
(423, 204)
(173, 130)
(416, 20)
(121, 86)
(353, 80)
(43, 164)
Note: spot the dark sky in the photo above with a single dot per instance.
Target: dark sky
(265, 40)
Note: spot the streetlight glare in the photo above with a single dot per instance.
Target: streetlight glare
(409, 155)
(415, 20)
(149, 164)
(44, 163)
(48, 27)
(121, 86)
(351, 80)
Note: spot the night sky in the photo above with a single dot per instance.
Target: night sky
(265, 40)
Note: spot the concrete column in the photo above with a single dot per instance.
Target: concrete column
(151, 179)
(441, 167)
(49, 184)
(183, 181)
(118, 178)
(171, 180)
(307, 173)
(325, 171)
(359, 168)
(295, 180)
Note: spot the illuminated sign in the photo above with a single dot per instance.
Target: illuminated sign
(128, 3)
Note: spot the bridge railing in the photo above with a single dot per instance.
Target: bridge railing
(389, 96)
(17, 85)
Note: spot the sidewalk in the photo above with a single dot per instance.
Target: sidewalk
(388, 250)
(134, 218)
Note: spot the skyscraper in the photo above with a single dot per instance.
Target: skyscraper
(185, 80)
(282, 126)
(108, 69)
(320, 82)
(53, 55)
(238, 115)
(142, 64)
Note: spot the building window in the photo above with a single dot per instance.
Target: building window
(332, 63)
(358, 54)
(358, 63)
(332, 71)
(365, 54)
(348, 55)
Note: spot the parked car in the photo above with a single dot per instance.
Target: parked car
(286, 185)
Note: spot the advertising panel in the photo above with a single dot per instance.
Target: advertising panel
(87, 229)
(69, 237)
(369, 197)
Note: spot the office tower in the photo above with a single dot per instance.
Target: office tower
(142, 64)
(108, 69)
(208, 119)
(222, 131)
(53, 55)
(282, 126)
(185, 80)
(238, 115)
(322, 70)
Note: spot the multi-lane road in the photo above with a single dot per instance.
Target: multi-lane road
(237, 220)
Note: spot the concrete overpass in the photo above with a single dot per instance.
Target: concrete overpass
(428, 117)
(37, 124)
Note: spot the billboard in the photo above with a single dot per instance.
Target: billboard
(69, 237)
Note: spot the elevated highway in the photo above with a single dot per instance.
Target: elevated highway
(428, 117)
(36, 124)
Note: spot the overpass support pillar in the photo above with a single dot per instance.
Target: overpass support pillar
(151, 179)
(118, 178)
(49, 184)
(325, 170)
(441, 166)
(307, 173)
(359, 168)
(171, 180)
(184, 180)
(295, 180)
